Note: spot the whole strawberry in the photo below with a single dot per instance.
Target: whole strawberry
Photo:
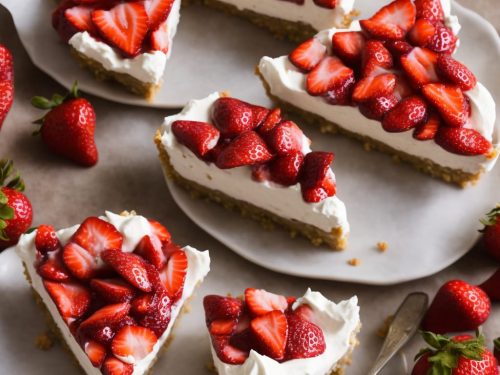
(459, 355)
(457, 306)
(6, 83)
(492, 286)
(16, 213)
(491, 233)
(68, 128)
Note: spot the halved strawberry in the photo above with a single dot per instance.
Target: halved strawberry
(112, 290)
(406, 115)
(246, 149)
(456, 72)
(285, 169)
(308, 54)
(375, 86)
(79, 261)
(428, 129)
(113, 366)
(46, 239)
(232, 116)
(259, 114)
(316, 178)
(398, 48)
(52, 267)
(430, 10)
(375, 55)
(348, 45)
(133, 343)
(271, 331)
(304, 311)
(420, 66)
(199, 137)
(403, 87)
(272, 119)
(106, 316)
(243, 340)
(228, 353)
(392, 21)
(222, 327)
(376, 108)
(72, 299)
(150, 249)
(160, 231)
(449, 101)
(159, 312)
(222, 308)
(174, 273)
(124, 26)
(260, 301)
(443, 40)
(159, 39)
(95, 351)
(305, 339)
(422, 32)
(327, 75)
(75, 19)
(157, 11)
(329, 4)
(285, 138)
(462, 141)
(96, 235)
(130, 266)
(341, 95)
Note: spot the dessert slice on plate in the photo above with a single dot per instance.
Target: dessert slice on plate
(391, 82)
(293, 19)
(266, 333)
(128, 42)
(112, 288)
(250, 158)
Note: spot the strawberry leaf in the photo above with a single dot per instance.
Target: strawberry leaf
(6, 176)
(496, 342)
(491, 218)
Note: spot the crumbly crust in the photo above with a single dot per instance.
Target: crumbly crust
(336, 239)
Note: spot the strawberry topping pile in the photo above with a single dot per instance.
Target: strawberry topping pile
(264, 322)
(398, 70)
(132, 27)
(116, 304)
(243, 134)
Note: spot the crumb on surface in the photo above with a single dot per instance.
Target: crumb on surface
(211, 367)
(354, 262)
(382, 246)
(44, 341)
(384, 328)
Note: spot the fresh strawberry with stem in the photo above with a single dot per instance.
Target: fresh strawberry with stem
(305, 339)
(68, 128)
(246, 149)
(199, 137)
(308, 54)
(6, 99)
(392, 21)
(491, 233)
(16, 212)
(492, 286)
(270, 332)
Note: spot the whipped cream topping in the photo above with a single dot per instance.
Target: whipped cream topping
(147, 67)
(309, 13)
(289, 84)
(133, 229)
(339, 322)
(285, 201)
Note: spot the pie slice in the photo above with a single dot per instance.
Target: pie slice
(127, 42)
(267, 333)
(112, 288)
(250, 158)
(391, 82)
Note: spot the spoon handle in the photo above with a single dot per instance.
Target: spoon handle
(403, 327)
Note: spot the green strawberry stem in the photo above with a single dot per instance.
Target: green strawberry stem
(13, 181)
(491, 218)
(496, 342)
(41, 102)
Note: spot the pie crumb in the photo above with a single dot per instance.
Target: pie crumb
(44, 341)
(354, 262)
(382, 246)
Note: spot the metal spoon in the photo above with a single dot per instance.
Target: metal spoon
(403, 327)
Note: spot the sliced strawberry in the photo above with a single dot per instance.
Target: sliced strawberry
(430, 10)
(228, 353)
(329, 4)
(285, 138)
(174, 274)
(392, 21)
(376, 108)
(160, 231)
(150, 249)
(232, 116)
(428, 129)
(113, 366)
(305, 339)
(222, 308)
(95, 351)
(403, 87)
(348, 46)
(72, 299)
(398, 48)
(159, 312)
(272, 119)
(96, 235)
(316, 177)
(420, 66)
(327, 75)
(108, 315)
(285, 169)
(81, 18)
(270, 331)
(79, 261)
(462, 141)
(222, 327)
(341, 95)
(372, 87)
(247, 149)
(449, 101)
(160, 39)
(260, 302)
(112, 290)
(443, 40)
(308, 54)
(304, 312)
(259, 114)
(455, 72)
(157, 11)
(199, 137)
(406, 115)
(52, 267)
(375, 55)
(243, 340)
(170, 248)
(124, 26)
(46, 239)
(130, 266)
(422, 32)
(133, 343)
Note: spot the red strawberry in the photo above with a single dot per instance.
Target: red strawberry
(6, 99)
(130, 266)
(420, 66)
(221, 308)
(222, 327)
(228, 353)
(79, 261)
(157, 11)
(422, 32)
(260, 302)
(376, 108)
(449, 101)
(407, 114)
(305, 339)
(428, 129)
(372, 87)
(243, 340)
(199, 137)
(150, 248)
(133, 343)
(398, 48)
(304, 312)
(349, 46)
(491, 233)
(159, 39)
(329, 4)
(270, 332)
(455, 72)
(392, 21)
(375, 56)
(52, 267)
(316, 177)
(80, 17)
(68, 128)
(159, 312)
(6, 65)
(72, 299)
(285, 138)
(247, 149)
(272, 119)
(112, 290)
(308, 54)
(46, 239)
(113, 366)
(327, 75)
(285, 169)
(462, 141)
(261, 172)
(403, 87)
(430, 10)
(492, 286)
(232, 116)
(259, 114)
(457, 306)
(106, 316)
(96, 235)
(341, 95)
(95, 351)
(443, 40)
(160, 231)
(124, 26)
(174, 274)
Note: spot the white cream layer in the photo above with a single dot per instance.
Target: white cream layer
(283, 201)
(339, 323)
(309, 13)
(288, 83)
(147, 67)
(133, 229)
